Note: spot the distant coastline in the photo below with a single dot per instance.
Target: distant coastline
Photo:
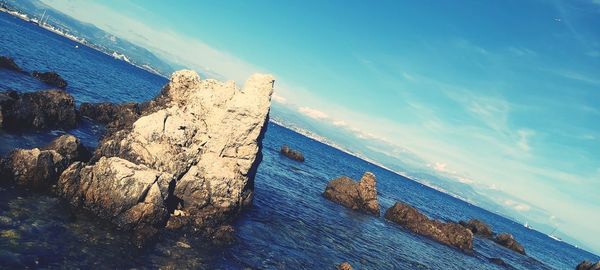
(44, 25)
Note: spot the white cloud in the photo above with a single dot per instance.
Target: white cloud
(521, 207)
(340, 123)
(313, 113)
(279, 99)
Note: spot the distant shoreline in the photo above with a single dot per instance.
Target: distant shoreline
(50, 28)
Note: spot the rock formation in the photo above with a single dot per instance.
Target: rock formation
(478, 227)
(498, 261)
(188, 158)
(40, 168)
(8, 63)
(116, 116)
(361, 196)
(344, 266)
(585, 265)
(51, 78)
(508, 241)
(450, 233)
(39, 110)
(291, 153)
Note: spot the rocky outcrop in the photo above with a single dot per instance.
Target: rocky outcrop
(586, 265)
(344, 266)
(50, 78)
(189, 158)
(9, 63)
(361, 196)
(115, 116)
(40, 110)
(498, 261)
(450, 233)
(291, 153)
(40, 168)
(508, 241)
(478, 227)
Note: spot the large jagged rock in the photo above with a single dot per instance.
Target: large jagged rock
(39, 110)
(50, 78)
(450, 233)
(201, 138)
(9, 63)
(508, 241)
(586, 265)
(478, 227)
(115, 116)
(291, 153)
(40, 168)
(361, 196)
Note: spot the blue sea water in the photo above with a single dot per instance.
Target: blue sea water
(290, 226)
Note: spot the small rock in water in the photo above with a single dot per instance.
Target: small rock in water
(498, 261)
(9, 63)
(477, 227)
(450, 233)
(51, 78)
(344, 266)
(183, 245)
(508, 241)
(361, 196)
(291, 153)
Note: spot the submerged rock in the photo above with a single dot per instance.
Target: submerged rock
(51, 78)
(508, 241)
(116, 116)
(361, 196)
(498, 261)
(194, 148)
(344, 266)
(39, 110)
(450, 233)
(9, 63)
(291, 153)
(478, 227)
(40, 168)
(586, 265)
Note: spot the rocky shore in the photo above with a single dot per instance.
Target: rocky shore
(482, 229)
(183, 160)
(360, 196)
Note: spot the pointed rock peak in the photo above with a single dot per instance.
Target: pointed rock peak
(181, 81)
(368, 177)
(260, 83)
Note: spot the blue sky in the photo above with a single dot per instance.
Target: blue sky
(501, 97)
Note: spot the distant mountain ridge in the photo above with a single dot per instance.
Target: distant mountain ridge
(93, 36)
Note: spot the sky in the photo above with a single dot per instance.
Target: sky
(501, 98)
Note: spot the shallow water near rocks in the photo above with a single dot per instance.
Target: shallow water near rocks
(290, 226)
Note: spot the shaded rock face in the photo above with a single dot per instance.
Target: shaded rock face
(344, 266)
(451, 234)
(40, 110)
(291, 153)
(507, 240)
(115, 116)
(361, 196)
(197, 145)
(51, 78)
(40, 168)
(478, 227)
(585, 265)
(8, 63)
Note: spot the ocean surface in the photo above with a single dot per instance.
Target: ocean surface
(290, 226)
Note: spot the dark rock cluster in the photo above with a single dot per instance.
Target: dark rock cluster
(360, 196)
(477, 227)
(585, 265)
(39, 110)
(508, 241)
(291, 153)
(480, 228)
(449, 233)
(51, 78)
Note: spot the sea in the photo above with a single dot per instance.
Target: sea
(290, 225)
